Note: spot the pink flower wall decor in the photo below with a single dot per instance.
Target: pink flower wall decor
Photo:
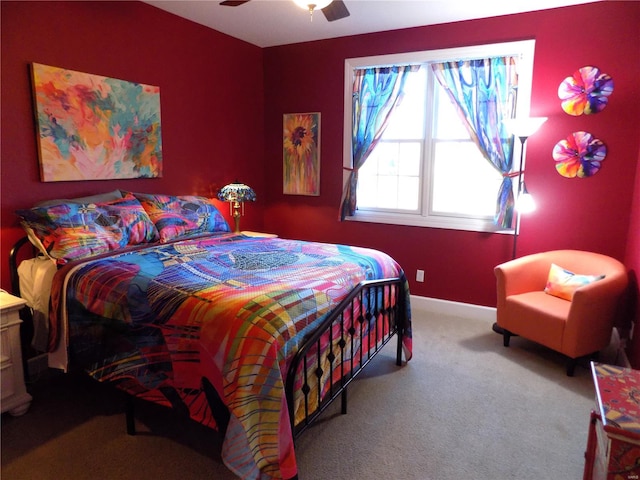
(579, 155)
(585, 92)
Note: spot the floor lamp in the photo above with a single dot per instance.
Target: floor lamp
(522, 128)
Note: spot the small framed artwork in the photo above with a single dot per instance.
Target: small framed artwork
(301, 154)
(91, 127)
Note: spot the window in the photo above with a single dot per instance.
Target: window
(426, 170)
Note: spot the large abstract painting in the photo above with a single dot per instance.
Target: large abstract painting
(92, 127)
(301, 153)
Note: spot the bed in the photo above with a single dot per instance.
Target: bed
(252, 336)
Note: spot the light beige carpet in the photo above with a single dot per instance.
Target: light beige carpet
(464, 407)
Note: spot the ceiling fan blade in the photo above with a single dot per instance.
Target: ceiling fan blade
(335, 10)
(233, 3)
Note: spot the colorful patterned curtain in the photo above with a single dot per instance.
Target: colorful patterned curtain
(485, 92)
(376, 93)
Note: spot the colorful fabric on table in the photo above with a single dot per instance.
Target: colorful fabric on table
(227, 312)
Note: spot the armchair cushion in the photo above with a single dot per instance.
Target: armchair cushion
(542, 317)
(562, 283)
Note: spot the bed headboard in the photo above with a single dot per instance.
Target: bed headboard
(14, 255)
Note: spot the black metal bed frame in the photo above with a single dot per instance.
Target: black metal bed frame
(356, 318)
(13, 264)
(348, 320)
(26, 327)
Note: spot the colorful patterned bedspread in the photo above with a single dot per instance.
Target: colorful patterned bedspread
(213, 322)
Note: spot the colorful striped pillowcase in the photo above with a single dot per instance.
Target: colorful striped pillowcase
(71, 231)
(178, 217)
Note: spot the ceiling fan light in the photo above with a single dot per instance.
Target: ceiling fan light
(312, 4)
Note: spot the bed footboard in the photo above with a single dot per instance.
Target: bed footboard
(348, 339)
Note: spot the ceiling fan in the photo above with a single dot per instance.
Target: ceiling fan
(333, 9)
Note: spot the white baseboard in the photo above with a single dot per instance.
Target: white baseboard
(614, 354)
(448, 307)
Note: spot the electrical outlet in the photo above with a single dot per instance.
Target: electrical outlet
(420, 276)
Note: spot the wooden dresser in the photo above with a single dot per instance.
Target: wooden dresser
(13, 394)
(613, 444)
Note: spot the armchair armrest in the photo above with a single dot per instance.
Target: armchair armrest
(524, 274)
(593, 309)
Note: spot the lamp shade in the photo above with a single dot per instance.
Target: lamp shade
(237, 192)
(523, 127)
(312, 4)
(525, 202)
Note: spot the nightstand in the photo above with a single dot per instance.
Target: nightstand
(13, 395)
(247, 233)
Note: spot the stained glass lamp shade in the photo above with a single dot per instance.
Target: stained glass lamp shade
(237, 194)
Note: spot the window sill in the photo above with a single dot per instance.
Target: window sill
(450, 223)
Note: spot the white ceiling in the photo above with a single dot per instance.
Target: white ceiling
(268, 23)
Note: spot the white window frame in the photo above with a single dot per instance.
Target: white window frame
(523, 49)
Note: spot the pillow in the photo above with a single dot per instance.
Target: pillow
(71, 231)
(562, 283)
(68, 231)
(128, 215)
(101, 197)
(178, 217)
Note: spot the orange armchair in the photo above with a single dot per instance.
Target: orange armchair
(576, 328)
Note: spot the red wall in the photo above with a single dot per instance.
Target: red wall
(590, 214)
(222, 103)
(633, 262)
(211, 95)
